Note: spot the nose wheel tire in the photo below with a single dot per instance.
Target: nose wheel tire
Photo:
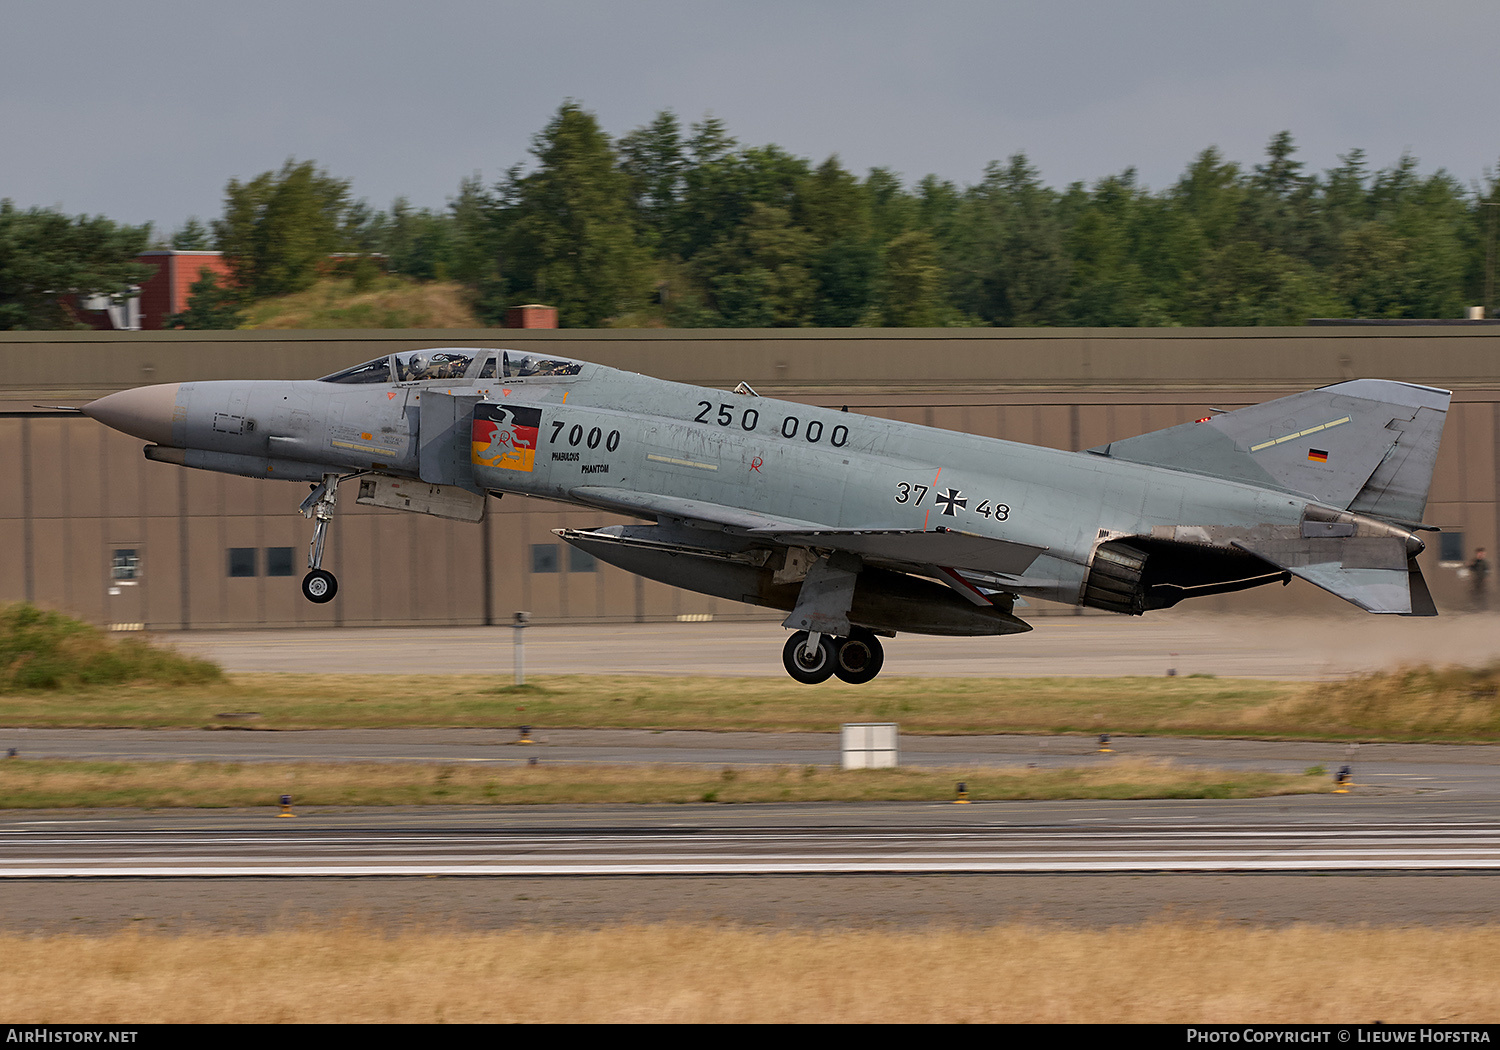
(860, 658)
(319, 586)
(805, 668)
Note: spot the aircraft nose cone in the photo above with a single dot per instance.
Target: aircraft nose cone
(145, 412)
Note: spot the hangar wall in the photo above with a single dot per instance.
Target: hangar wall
(89, 526)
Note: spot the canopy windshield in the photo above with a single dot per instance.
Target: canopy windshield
(451, 363)
(517, 365)
(415, 365)
(376, 371)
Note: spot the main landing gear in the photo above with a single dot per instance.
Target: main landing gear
(814, 658)
(319, 585)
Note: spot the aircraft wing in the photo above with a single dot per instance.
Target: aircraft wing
(944, 547)
(910, 547)
(651, 505)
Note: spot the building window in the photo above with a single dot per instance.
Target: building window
(581, 561)
(544, 557)
(1451, 548)
(242, 561)
(125, 565)
(279, 561)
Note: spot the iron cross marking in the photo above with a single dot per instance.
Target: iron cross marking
(951, 501)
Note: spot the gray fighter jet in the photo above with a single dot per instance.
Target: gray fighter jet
(858, 527)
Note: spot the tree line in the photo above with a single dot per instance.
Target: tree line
(684, 226)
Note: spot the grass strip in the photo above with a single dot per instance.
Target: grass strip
(1419, 704)
(57, 784)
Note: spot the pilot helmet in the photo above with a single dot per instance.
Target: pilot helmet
(418, 366)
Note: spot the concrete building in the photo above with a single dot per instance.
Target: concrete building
(164, 293)
(89, 526)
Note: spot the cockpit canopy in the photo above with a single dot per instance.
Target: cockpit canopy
(455, 363)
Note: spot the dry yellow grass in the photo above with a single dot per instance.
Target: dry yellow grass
(391, 302)
(1161, 973)
(1461, 703)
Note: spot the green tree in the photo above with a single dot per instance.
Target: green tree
(1104, 240)
(209, 306)
(568, 227)
(832, 205)
(477, 222)
(835, 209)
(193, 237)
(46, 256)
(893, 211)
(417, 242)
(279, 228)
(1281, 201)
(653, 159)
(1245, 284)
(1210, 197)
(1011, 267)
(844, 271)
(762, 278)
(721, 183)
(910, 287)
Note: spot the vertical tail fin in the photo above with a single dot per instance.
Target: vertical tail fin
(1368, 446)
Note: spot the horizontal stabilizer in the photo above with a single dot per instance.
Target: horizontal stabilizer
(1375, 573)
(946, 547)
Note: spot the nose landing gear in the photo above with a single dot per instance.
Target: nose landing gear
(319, 585)
(814, 658)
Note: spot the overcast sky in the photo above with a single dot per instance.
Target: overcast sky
(142, 111)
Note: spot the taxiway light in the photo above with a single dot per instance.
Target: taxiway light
(286, 807)
(1104, 747)
(963, 794)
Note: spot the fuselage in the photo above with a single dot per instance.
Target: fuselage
(597, 435)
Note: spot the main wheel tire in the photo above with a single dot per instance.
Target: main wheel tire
(860, 658)
(809, 670)
(319, 586)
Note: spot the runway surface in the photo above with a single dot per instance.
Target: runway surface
(1417, 843)
(1300, 834)
(1229, 646)
(1399, 854)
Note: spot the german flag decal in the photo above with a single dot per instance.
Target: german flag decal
(1317, 455)
(505, 437)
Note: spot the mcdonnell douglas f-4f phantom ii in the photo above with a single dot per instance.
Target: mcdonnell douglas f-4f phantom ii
(858, 527)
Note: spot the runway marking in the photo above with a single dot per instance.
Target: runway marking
(807, 868)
